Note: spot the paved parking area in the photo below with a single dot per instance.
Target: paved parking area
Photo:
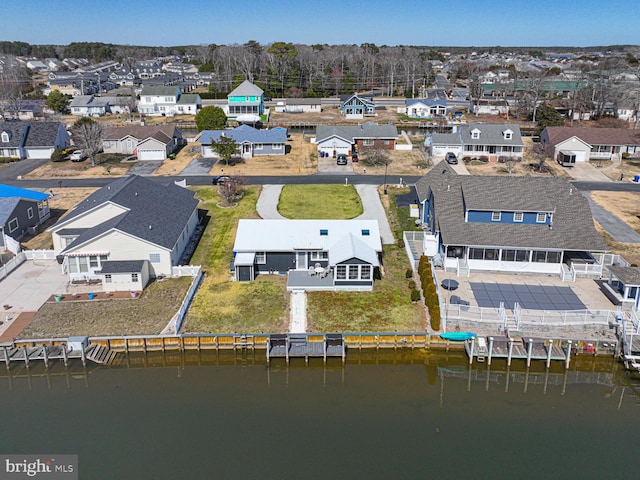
(145, 167)
(534, 297)
(199, 166)
(586, 172)
(328, 165)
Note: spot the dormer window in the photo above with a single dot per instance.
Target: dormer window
(5, 137)
(507, 134)
(475, 134)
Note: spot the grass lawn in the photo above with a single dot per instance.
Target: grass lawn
(147, 315)
(386, 309)
(223, 306)
(338, 202)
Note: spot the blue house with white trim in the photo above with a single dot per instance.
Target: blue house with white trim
(251, 141)
(511, 224)
(21, 211)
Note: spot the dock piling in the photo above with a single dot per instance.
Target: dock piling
(26, 356)
(510, 351)
(549, 349)
(6, 357)
(490, 350)
(45, 356)
(568, 359)
(473, 342)
(529, 350)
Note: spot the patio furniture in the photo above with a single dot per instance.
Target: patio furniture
(312, 271)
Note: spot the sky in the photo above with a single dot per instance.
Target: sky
(578, 23)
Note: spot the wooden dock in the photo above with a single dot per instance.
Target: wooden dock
(305, 346)
(510, 348)
(24, 353)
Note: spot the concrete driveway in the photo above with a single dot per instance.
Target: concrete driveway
(199, 166)
(328, 165)
(145, 167)
(267, 207)
(586, 172)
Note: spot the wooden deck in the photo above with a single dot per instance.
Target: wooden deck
(289, 346)
(528, 349)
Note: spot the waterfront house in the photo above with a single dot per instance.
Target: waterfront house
(510, 224)
(623, 286)
(475, 140)
(426, 107)
(131, 219)
(21, 211)
(251, 142)
(245, 102)
(160, 100)
(357, 106)
(24, 140)
(568, 145)
(334, 140)
(314, 254)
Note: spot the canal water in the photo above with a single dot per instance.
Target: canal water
(385, 415)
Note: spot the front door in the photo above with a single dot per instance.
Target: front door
(301, 261)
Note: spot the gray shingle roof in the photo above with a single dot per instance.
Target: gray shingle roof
(246, 89)
(15, 131)
(7, 206)
(159, 90)
(155, 213)
(627, 275)
(42, 134)
(122, 266)
(351, 133)
(572, 229)
(490, 134)
(141, 132)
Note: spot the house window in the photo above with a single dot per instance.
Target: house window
(515, 255)
(134, 277)
(107, 278)
(508, 134)
(13, 225)
(368, 142)
(475, 134)
(518, 216)
(5, 137)
(93, 262)
(386, 142)
(541, 217)
(496, 216)
(365, 272)
(341, 272)
(261, 258)
(277, 146)
(154, 257)
(353, 272)
(324, 233)
(258, 146)
(483, 253)
(319, 255)
(83, 264)
(365, 233)
(30, 212)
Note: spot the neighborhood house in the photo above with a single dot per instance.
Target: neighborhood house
(21, 211)
(131, 224)
(251, 142)
(335, 140)
(314, 254)
(510, 224)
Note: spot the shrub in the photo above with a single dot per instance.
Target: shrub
(415, 295)
(7, 160)
(412, 284)
(408, 273)
(400, 243)
(625, 155)
(58, 156)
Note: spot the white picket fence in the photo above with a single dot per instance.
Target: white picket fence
(21, 257)
(175, 324)
(185, 270)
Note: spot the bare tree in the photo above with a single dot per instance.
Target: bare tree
(13, 78)
(232, 189)
(538, 154)
(88, 135)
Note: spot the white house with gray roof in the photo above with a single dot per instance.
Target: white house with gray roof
(314, 254)
(167, 101)
(24, 140)
(131, 219)
(493, 142)
(510, 224)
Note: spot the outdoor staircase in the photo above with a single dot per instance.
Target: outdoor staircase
(463, 268)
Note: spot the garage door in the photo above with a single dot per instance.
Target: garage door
(151, 155)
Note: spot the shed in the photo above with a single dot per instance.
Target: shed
(124, 275)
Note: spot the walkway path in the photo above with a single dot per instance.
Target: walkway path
(619, 230)
(373, 210)
(298, 312)
(267, 205)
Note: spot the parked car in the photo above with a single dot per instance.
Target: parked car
(342, 159)
(77, 156)
(451, 158)
(220, 179)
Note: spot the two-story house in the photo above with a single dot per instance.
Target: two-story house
(245, 101)
(357, 106)
(167, 101)
(510, 224)
(475, 140)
